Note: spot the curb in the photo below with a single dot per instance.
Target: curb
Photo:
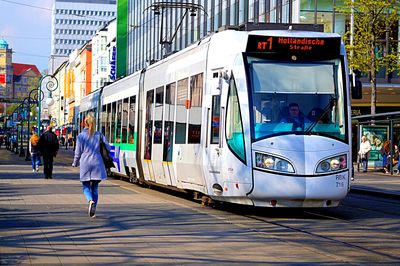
(375, 192)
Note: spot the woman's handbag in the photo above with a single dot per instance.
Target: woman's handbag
(105, 154)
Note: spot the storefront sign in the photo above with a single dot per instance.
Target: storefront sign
(113, 64)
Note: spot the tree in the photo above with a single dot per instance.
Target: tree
(373, 48)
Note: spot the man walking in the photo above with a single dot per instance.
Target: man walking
(48, 145)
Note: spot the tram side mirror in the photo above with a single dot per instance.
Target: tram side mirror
(356, 86)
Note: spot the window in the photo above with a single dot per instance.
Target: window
(103, 120)
(215, 119)
(132, 118)
(169, 122)
(119, 121)
(148, 124)
(181, 111)
(125, 112)
(196, 94)
(112, 121)
(234, 127)
(158, 115)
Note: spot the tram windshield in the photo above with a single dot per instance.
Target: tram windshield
(297, 98)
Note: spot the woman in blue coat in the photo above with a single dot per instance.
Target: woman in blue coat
(88, 157)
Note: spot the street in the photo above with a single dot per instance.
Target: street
(45, 222)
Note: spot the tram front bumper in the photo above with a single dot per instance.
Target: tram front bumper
(278, 190)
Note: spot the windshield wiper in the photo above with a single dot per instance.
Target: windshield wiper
(328, 107)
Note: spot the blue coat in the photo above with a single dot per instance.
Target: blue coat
(87, 156)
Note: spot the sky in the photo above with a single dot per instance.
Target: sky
(26, 26)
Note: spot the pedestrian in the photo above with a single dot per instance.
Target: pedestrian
(88, 158)
(363, 153)
(48, 145)
(35, 152)
(385, 152)
(1, 140)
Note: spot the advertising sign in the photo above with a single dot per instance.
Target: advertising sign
(376, 135)
(113, 72)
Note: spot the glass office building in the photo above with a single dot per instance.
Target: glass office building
(75, 22)
(143, 24)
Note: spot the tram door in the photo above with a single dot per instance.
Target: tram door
(148, 137)
(168, 134)
(214, 150)
(157, 147)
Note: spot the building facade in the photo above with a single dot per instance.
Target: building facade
(25, 78)
(74, 22)
(6, 73)
(151, 30)
(103, 53)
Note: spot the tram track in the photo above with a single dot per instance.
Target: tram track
(327, 232)
(345, 239)
(326, 242)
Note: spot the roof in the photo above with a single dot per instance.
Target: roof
(20, 69)
(3, 44)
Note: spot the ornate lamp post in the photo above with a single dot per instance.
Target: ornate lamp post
(23, 108)
(35, 96)
(51, 83)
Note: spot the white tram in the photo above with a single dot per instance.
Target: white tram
(214, 119)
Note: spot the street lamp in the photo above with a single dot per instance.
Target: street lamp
(51, 84)
(23, 110)
(35, 96)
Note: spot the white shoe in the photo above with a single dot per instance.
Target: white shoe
(33, 170)
(92, 209)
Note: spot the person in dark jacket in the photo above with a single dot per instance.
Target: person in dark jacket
(48, 145)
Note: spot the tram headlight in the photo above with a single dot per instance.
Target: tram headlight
(273, 163)
(332, 164)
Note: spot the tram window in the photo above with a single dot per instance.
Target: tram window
(119, 122)
(195, 103)
(103, 118)
(169, 122)
(148, 124)
(234, 126)
(125, 108)
(132, 117)
(108, 122)
(158, 115)
(112, 121)
(215, 118)
(181, 111)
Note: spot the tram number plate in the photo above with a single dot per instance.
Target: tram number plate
(340, 180)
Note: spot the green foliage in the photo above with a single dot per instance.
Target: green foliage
(372, 20)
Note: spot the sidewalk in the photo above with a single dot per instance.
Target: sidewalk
(376, 182)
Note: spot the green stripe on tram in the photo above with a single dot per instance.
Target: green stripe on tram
(127, 146)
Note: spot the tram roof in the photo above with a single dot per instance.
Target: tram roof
(381, 116)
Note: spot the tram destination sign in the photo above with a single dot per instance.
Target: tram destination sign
(302, 47)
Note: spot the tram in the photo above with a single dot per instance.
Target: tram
(215, 119)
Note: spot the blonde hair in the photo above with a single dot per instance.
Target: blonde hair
(34, 139)
(90, 123)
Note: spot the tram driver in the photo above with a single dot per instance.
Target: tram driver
(295, 117)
